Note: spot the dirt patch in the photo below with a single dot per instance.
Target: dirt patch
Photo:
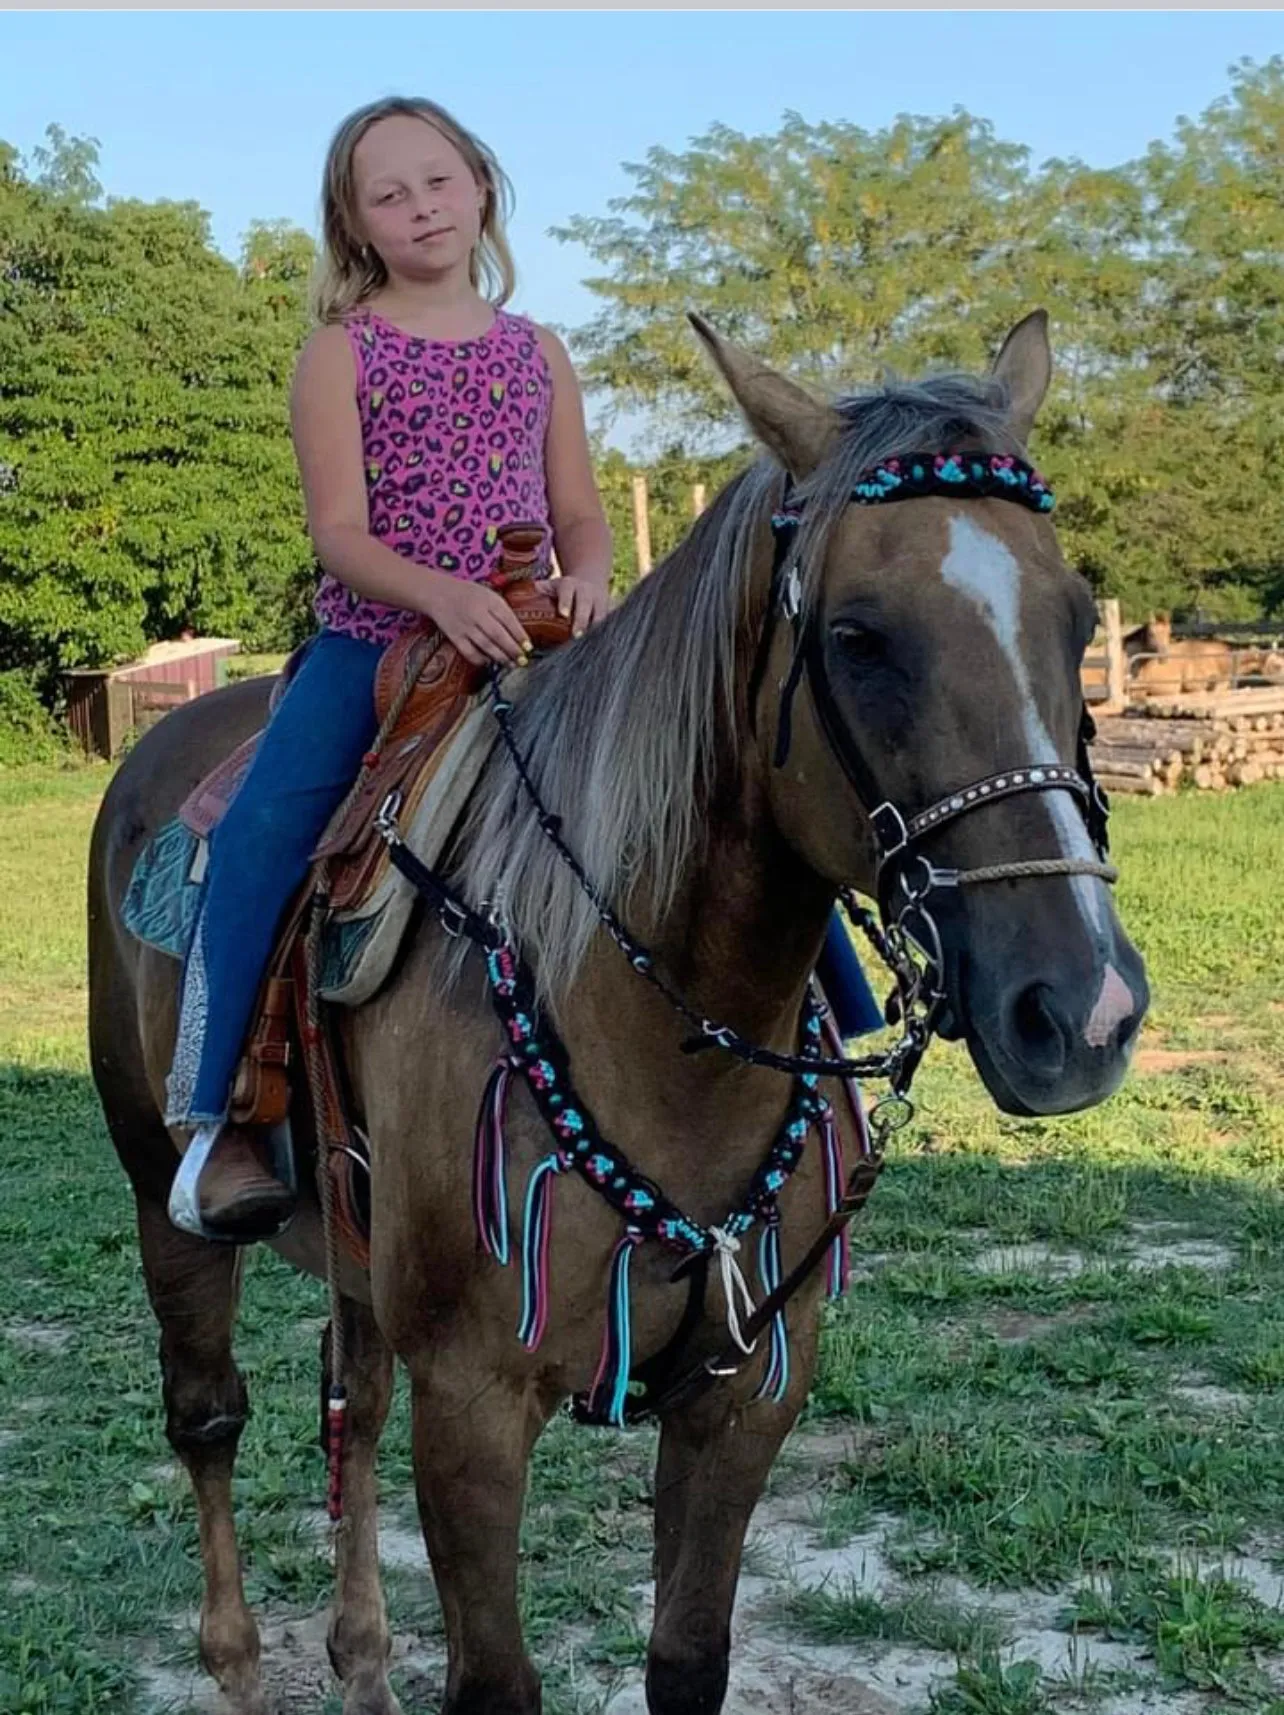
(1188, 1253)
(1029, 1259)
(1264, 1580)
(866, 1264)
(1174, 1059)
(1152, 1247)
(1208, 1398)
(296, 1671)
(782, 1685)
(402, 1546)
(786, 1550)
(39, 1336)
(824, 1444)
(178, 1690)
(777, 1671)
(1014, 1327)
(1150, 1700)
(772, 1675)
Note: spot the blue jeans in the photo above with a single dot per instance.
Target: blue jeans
(855, 1009)
(305, 764)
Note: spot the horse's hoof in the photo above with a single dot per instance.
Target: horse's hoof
(247, 1699)
(371, 1700)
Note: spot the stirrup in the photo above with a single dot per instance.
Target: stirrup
(184, 1207)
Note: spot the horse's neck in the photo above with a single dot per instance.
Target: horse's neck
(739, 940)
(750, 923)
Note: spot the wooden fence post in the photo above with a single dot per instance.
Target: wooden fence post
(697, 499)
(1116, 661)
(641, 525)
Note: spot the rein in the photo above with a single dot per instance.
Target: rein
(897, 1065)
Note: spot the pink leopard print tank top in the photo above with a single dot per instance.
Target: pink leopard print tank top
(453, 445)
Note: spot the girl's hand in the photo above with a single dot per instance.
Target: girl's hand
(477, 621)
(578, 600)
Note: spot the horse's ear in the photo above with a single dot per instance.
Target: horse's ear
(1025, 366)
(795, 428)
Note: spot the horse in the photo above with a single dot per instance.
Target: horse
(1158, 667)
(717, 797)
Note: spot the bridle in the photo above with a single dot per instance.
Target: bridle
(905, 875)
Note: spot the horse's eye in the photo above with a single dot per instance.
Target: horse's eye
(861, 646)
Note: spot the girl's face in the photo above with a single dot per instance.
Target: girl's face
(418, 204)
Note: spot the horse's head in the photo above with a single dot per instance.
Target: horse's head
(923, 657)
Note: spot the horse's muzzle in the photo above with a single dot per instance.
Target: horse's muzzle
(1052, 1034)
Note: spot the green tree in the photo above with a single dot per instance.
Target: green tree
(837, 253)
(67, 168)
(832, 251)
(146, 478)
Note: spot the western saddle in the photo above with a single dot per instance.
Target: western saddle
(423, 691)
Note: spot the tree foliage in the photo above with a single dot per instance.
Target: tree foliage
(146, 477)
(147, 483)
(837, 253)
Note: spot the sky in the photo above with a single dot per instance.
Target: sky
(234, 109)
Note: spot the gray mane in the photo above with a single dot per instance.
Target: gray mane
(625, 728)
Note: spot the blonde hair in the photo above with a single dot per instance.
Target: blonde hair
(349, 271)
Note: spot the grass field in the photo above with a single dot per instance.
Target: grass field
(1043, 1468)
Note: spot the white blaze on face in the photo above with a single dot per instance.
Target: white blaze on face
(1114, 1004)
(985, 570)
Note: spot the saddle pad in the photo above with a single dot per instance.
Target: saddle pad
(164, 892)
(163, 899)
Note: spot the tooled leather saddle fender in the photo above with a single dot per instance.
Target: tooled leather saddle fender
(442, 693)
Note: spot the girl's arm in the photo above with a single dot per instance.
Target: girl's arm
(326, 427)
(581, 534)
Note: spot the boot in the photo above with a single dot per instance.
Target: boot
(225, 1190)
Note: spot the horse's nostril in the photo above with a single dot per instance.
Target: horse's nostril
(1037, 1032)
(1127, 1029)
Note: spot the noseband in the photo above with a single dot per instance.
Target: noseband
(898, 832)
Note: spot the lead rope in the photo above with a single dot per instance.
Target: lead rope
(1026, 867)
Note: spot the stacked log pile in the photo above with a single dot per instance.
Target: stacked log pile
(1212, 741)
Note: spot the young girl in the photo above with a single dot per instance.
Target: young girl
(424, 417)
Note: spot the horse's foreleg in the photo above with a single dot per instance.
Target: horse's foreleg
(193, 1288)
(473, 1434)
(713, 1464)
(359, 1642)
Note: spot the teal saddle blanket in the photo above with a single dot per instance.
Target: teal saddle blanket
(163, 903)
